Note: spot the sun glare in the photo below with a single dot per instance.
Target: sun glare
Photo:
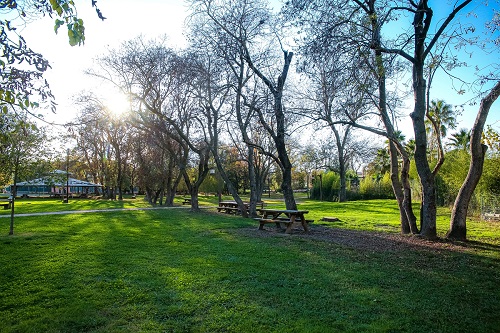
(118, 104)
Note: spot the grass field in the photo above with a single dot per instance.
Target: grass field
(171, 270)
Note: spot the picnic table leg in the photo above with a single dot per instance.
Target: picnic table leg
(278, 225)
(290, 225)
(304, 223)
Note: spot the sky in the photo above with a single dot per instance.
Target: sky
(127, 19)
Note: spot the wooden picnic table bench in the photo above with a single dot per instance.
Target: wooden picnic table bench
(187, 201)
(231, 207)
(228, 207)
(5, 204)
(285, 216)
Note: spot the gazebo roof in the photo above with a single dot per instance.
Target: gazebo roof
(57, 182)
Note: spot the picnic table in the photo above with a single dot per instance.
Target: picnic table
(285, 216)
(228, 207)
(187, 201)
(231, 207)
(5, 204)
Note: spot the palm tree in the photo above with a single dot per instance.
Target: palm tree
(442, 115)
(460, 140)
(382, 161)
(410, 148)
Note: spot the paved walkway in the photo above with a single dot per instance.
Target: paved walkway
(92, 211)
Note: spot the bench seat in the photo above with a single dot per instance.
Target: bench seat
(284, 219)
(228, 210)
(278, 221)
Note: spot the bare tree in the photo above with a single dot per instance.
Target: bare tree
(211, 87)
(425, 46)
(332, 101)
(157, 79)
(347, 31)
(247, 23)
(91, 142)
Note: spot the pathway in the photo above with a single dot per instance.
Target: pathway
(92, 211)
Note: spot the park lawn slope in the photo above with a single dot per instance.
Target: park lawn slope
(172, 270)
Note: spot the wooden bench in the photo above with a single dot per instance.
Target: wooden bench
(263, 221)
(297, 220)
(285, 216)
(278, 222)
(187, 201)
(6, 205)
(261, 204)
(228, 210)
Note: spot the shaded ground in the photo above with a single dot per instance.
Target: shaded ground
(373, 241)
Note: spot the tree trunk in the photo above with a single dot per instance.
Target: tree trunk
(458, 228)
(13, 193)
(171, 187)
(203, 170)
(193, 191)
(428, 206)
(230, 186)
(195, 204)
(407, 202)
(287, 189)
(252, 210)
(119, 174)
(400, 186)
(342, 168)
(286, 165)
(397, 188)
(427, 177)
(149, 194)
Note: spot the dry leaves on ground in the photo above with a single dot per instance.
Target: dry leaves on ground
(372, 241)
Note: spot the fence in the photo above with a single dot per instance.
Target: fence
(490, 207)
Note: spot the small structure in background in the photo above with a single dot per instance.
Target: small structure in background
(56, 185)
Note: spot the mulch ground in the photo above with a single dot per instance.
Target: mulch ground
(372, 241)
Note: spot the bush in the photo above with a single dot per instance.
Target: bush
(331, 185)
(376, 187)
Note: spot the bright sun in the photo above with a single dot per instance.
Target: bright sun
(117, 103)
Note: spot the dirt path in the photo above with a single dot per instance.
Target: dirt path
(374, 241)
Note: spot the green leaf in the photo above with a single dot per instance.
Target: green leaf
(55, 6)
(5, 109)
(72, 39)
(58, 24)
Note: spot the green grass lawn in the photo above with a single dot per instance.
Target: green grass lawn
(175, 271)
(37, 205)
